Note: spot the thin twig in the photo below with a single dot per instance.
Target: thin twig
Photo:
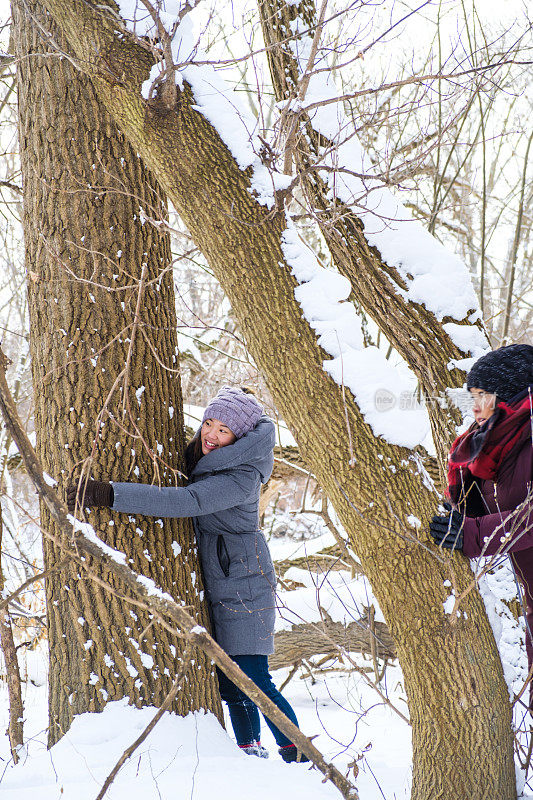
(167, 702)
(40, 576)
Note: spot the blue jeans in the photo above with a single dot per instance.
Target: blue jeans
(243, 712)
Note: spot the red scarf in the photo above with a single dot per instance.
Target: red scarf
(482, 449)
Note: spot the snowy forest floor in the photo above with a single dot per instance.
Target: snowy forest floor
(195, 756)
(198, 756)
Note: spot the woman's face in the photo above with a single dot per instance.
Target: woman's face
(483, 405)
(215, 434)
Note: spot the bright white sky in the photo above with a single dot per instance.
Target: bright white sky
(5, 10)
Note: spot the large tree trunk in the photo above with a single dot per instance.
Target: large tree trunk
(105, 374)
(169, 613)
(458, 699)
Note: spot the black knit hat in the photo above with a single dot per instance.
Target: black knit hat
(504, 372)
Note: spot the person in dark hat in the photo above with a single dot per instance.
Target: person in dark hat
(228, 459)
(490, 472)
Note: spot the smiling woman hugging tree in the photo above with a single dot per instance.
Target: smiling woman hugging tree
(228, 459)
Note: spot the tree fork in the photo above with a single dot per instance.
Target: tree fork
(413, 330)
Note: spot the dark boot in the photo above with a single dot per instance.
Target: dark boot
(290, 753)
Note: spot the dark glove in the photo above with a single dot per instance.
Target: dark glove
(92, 493)
(448, 531)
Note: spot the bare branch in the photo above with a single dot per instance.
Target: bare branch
(38, 577)
(165, 706)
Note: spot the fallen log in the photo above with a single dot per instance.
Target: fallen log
(328, 637)
(328, 559)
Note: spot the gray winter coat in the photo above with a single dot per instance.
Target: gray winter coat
(223, 500)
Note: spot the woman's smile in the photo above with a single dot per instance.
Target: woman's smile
(215, 434)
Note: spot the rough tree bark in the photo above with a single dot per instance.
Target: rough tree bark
(453, 673)
(105, 374)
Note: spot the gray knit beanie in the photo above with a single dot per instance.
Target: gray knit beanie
(237, 409)
(504, 372)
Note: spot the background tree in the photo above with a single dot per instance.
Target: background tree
(457, 150)
(7, 645)
(105, 374)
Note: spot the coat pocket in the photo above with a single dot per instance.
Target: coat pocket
(223, 555)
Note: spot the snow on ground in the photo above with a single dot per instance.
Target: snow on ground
(192, 753)
(346, 715)
(287, 547)
(344, 599)
(195, 754)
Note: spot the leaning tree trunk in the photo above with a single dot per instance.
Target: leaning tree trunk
(106, 380)
(453, 673)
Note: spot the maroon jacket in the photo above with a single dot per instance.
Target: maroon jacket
(504, 520)
(504, 527)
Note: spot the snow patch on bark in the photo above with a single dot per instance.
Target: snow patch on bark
(509, 633)
(435, 277)
(384, 394)
(214, 99)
